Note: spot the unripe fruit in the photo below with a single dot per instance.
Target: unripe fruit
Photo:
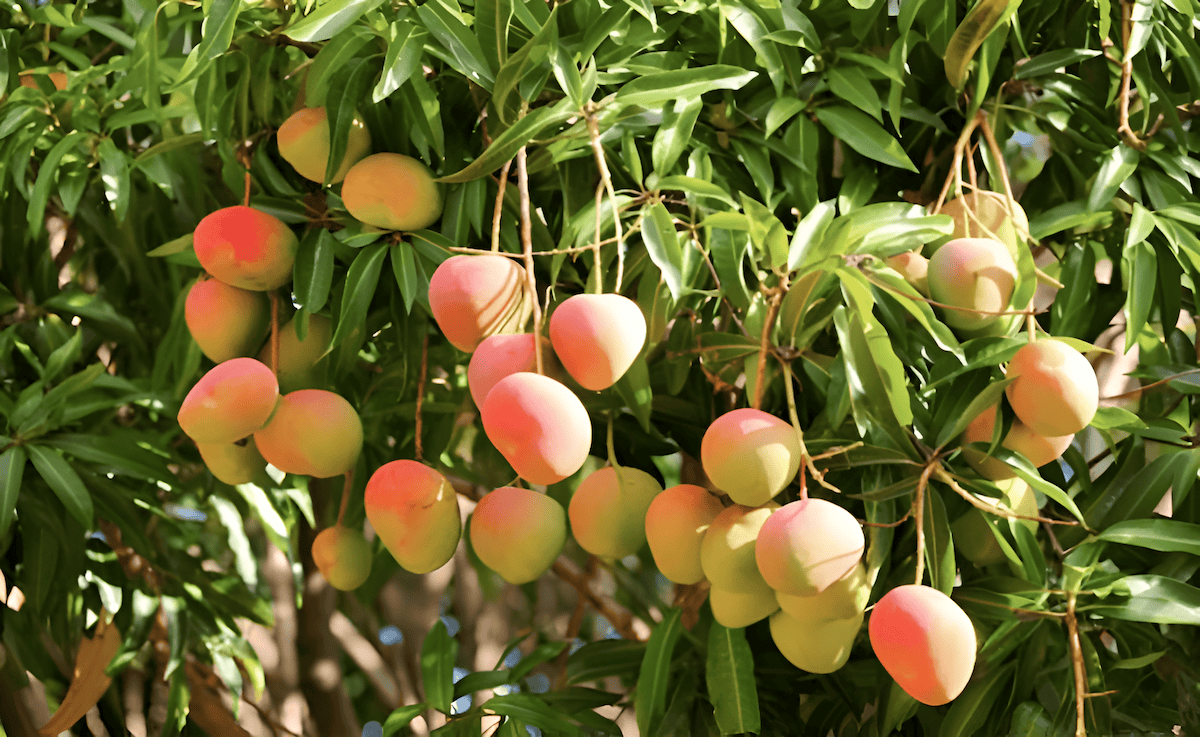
(990, 210)
(816, 647)
(1039, 450)
(608, 510)
(343, 556)
(414, 510)
(973, 273)
(843, 599)
(393, 192)
(924, 641)
(1055, 392)
(750, 455)
(518, 533)
(733, 609)
(727, 551)
(807, 545)
(597, 337)
(304, 143)
(313, 432)
(539, 426)
(499, 356)
(299, 365)
(232, 400)
(472, 297)
(226, 322)
(246, 248)
(972, 532)
(233, 463)
(675, 525)
(914, 268)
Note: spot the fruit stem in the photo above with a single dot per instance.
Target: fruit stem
(418, 449)
(349, 482)
(503, 183)
(527, 247)
(274, 332)
(998, 155)
(612, 447)
(764, 347)
(919, 518)
(805, 460)
(1077, 662)
(955, 175)
(974, 501)
(605, 179)
(1031, 326)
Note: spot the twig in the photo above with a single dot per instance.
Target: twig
(274, 295)
(974, 501)
(760, 375)
(620, 618)
(1077, 662)
(527, 247)
(919, 517)
(606, 178)
(1127, 134)
(421, 376)
(346, 487)
(502, 183)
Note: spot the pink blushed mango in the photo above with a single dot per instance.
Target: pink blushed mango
(246, 248)
(539, 426)
(608, 510)
(234, 399)
(499, 356)
(518, 533)
(924, 641)
(233, 463)
(1056, 391)
(807, 545)
(597, 337)
(750, 455)
(314, 433)
(472, 297)
(226, 322)
(414, 510)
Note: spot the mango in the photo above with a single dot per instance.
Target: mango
(816, 647)
(727, 550)
(538, 425)
(518, 533)
(343, 556)
(1056, 391)
(972, 273)
(313, 432)
(246, 248)
(750, 455)
(734, 609)
(226, 322)
(597, 337)
(924, 641)
(1020, 439)
(990, 210)
(498, 356)
(472, 297)
(972, 532)
(300, 363)
(233, 463)
(843, 599)
(807, 545)
(393, 192)
(675, 525)
(414, 510)
(234, 399)
(303, 141)
(914, 268)
(608, 510)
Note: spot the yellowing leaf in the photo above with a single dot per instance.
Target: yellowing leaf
(89, 682)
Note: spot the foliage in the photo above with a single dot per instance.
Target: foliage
(754, 148)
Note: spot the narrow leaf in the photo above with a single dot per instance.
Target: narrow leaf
(730, 675)
(64, 482)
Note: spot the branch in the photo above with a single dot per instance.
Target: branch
(622, 620)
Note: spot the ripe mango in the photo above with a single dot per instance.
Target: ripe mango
(675, 525)
(807, 545)
(233, 463)
(300, 362)
(539, 426)
(816, 647)
(750, 455)
(226, 322)
(234, 399)
(972, 273)
(472, 297)
(1056, 391)
(608, 510)
(843, 599)
(343, 556)
(303, 141)
(498, 356)
(736, 609)
(597, 337)
(393, 192)
(246, 248)
(727, 550)
(924, 641)
(518, 532)
(313, 432)
(414, 510)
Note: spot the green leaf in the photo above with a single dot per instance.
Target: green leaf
(696, 188)
(1155, 599)
(408, 278)
(1118, 166)
(312, 274)
(35, 214)
(402, 59)
(268, 515)
(971, 708)
(654, 675)
(438, 654)
(448, 29)
(634, 389)
(400, 718)
(219, 24)
(662, 243)
(1139, 267)
(531, 710)
(348, 85)
(114, 175)
(64, 482)
(329, 19)
(851, 84)
(861, 133)
(533, 52)
(12, 472)
(979, 23)
(679, 119)
(729, 671)
(809, 236)
(596, 661)
(653, 90)
(1048, 63)
(361, 281)
(1030, 720)
(1163, 535)
(115, 453)
(756, 33)
(506, 145)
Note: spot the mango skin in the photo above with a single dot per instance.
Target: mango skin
(518, 533)
(973, 273)
(727, 550)
(414, 510)
(845, 598)
(675, 525)
(597, 337)
(608, 510)
(990, 210)
(343, 556)
(499, 356)
(924, 641)
(914, 268)
(226, 322)
(807, 545)
(816, 647)
(1038, 449)
(539, 426)
(299, 367)
(314, 433)
(393, 192)
(1056, 391)
(246, 248)
(233, 463)
(303, 142)
(750, 455)
(472, 297)
(733, 609)
(234, 399)
(972, 534)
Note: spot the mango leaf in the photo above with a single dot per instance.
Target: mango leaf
(402, 59)
(1118, 166)
(653, 90)
(1163, 535)
(729, 671)
(506, 145)
(654, 674)
(329, 19)
(361, 281)
(438, 654)
(939, 548)
(12, 472)
(312, 274)
(35, 214)
(662, 243)
(863, 134)
(979, 23)
(1048, 63)
(64, 482)
(466, 55)
(1155, 599)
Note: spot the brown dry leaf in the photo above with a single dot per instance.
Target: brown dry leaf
(206, 708)
(89, 682)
